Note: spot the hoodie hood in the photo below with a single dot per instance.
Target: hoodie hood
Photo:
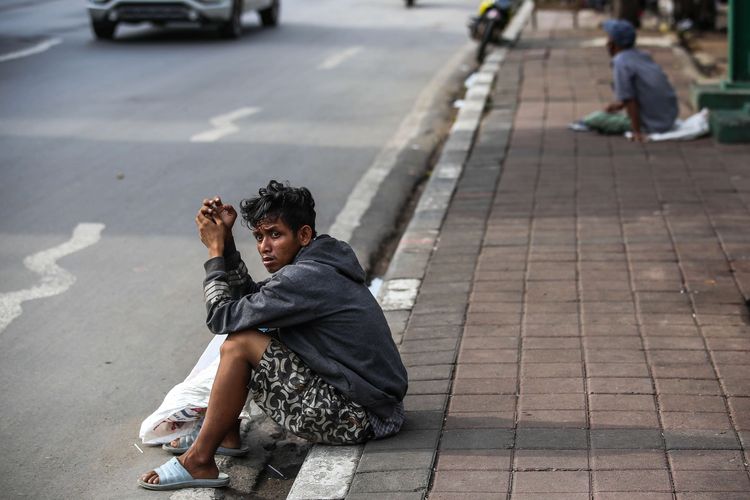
(334, 253)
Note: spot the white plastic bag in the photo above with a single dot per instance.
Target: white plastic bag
(683, 130)
(185, 405)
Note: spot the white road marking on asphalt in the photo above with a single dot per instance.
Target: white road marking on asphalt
(361, 196)
(55, 280)
(223, 125)
(36, 49)
(339, 57)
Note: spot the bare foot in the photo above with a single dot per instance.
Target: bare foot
(196, 468)
(231, 440)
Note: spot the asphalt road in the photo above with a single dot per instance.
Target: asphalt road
(100, 133)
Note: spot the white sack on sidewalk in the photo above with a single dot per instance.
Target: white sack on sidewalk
(186, 403)
(683, 130)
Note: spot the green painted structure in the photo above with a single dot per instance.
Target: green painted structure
(729, 101)
(739, 44)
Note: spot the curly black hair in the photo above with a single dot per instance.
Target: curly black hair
(295, 206)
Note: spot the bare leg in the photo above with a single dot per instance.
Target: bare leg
(239, 352)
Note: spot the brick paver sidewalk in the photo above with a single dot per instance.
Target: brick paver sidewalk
(604, 349)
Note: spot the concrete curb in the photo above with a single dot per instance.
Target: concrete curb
(513, 32)
(328, 471)
(377, 200)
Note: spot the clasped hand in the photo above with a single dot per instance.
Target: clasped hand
(215, 221)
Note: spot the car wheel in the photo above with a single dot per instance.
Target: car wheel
(103, 30)
(269, 17)
(233, 27)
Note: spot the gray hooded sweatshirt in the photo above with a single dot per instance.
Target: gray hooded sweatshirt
(324, 313)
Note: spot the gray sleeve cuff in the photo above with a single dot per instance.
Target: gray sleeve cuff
(215, 264)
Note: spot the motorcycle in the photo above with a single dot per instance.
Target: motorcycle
(487, 27)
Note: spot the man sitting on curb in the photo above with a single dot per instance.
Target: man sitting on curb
(641, 89)
(310, 343)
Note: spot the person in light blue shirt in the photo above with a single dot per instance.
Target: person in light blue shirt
(641, 89)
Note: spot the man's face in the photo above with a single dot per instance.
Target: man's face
(277, 243)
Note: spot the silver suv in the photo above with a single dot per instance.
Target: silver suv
(225, 14)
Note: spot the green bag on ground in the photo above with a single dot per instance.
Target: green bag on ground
(607, 123)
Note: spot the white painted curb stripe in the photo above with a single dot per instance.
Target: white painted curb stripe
(399, 294)
(223, 125)
(327, 473)
(518, 21)
(55, 280)
(36, 49)
(338, 58)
